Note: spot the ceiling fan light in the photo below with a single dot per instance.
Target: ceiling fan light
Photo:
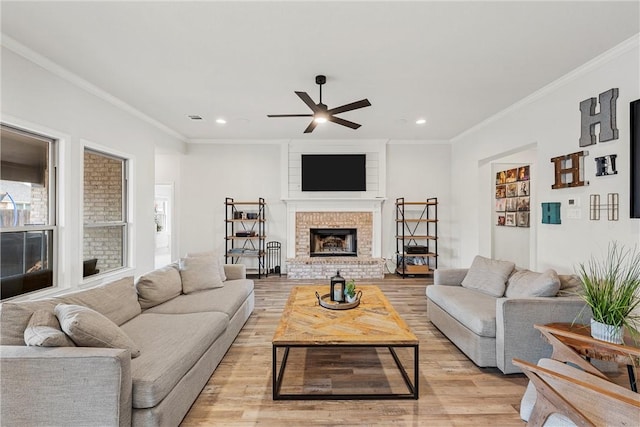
(320, 119)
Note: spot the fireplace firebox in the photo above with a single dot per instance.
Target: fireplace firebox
(333, 242)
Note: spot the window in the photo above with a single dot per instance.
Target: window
(105, 212)
(27, 212)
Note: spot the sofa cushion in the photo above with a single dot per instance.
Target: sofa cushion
(199, 273)
(216, 258)
(44, 330)
(15, 316)
(488, 275)
(159, 286)
(88, 328)
(475, 310)
(171, 344)
(525, 283)
(227, 299)
(118, 300)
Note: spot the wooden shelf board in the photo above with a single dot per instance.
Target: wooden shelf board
(417, 236)
(417, 203)
(245, 220)
(416, 220)
(245, 203)
(247, 237)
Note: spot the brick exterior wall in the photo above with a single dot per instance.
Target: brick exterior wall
(361, 267)
(103, 188)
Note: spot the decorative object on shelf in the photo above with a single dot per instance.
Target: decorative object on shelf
(513, 189)
(551, 213)
(611, 288)
(326, 302)
(337, 288)
(569, 170)
(612, 207)
(606, 118)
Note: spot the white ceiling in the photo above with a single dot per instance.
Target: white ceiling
(453, 63)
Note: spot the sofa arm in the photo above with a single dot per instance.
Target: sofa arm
(449, 276)
(70, 386)
(515, 334)
(235, 271)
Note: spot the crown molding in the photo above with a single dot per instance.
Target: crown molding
(631, 43)
(38, 59)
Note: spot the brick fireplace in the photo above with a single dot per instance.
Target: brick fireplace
(362, 216)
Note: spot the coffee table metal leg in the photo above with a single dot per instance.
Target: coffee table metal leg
(277, 375)
(413, 388)
(632, 378)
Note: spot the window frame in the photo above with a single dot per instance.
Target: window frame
(127, 212)
(54, 247)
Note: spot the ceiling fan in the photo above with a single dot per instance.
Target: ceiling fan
(320, 112)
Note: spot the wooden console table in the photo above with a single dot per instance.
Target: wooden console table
(573, 342)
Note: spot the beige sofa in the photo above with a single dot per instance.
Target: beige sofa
(181, 332)
(488, 310)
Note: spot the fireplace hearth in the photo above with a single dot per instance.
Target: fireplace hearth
(332, 242)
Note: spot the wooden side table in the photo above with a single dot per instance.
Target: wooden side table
(573, 342)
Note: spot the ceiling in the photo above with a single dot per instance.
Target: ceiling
(452, 63)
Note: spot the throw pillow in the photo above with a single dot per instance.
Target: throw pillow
(44, 330)
(159, 286)
(199, 273)
(215, 257)
(88, 328)
(525, 283)
(488, 275)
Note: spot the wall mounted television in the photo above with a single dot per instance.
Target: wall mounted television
(334, 172)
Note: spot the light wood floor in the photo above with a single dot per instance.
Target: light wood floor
(453, 391)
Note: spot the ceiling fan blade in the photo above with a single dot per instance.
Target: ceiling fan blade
(311, 126)
(307, 100)
(343, 122)
(348, 107)
(289, 115)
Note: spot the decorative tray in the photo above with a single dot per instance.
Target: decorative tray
(325, 301)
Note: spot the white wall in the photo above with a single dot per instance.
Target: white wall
(417, 171)
(551, 120)
(39, 100)
(211, 172)
(208, 173)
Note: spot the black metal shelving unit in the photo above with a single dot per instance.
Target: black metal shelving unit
(416, 237)
(245, 232)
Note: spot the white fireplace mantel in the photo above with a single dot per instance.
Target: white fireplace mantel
(373, 205)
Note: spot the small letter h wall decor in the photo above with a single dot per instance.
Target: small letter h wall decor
(568, 170)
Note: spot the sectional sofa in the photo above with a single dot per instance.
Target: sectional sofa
(488, 310)
(123, 353)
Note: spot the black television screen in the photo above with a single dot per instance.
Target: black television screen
(334, 172)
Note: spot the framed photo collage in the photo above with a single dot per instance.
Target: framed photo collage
(513, 188)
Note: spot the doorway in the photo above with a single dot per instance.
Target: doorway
(163, 212)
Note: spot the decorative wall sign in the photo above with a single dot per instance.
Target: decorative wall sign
(551, 213)
(612, 207)
(606, 165)
(606, 118)
(513, 189)
(569, 170)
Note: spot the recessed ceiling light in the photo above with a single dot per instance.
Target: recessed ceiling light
(195, 117)
(221, 121)
(421, 121)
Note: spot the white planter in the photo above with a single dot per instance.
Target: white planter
(608, 333)
(351, 299)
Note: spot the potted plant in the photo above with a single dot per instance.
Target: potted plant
(350, 291)
(611, 288)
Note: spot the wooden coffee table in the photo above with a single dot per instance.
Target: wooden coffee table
(374, 323)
